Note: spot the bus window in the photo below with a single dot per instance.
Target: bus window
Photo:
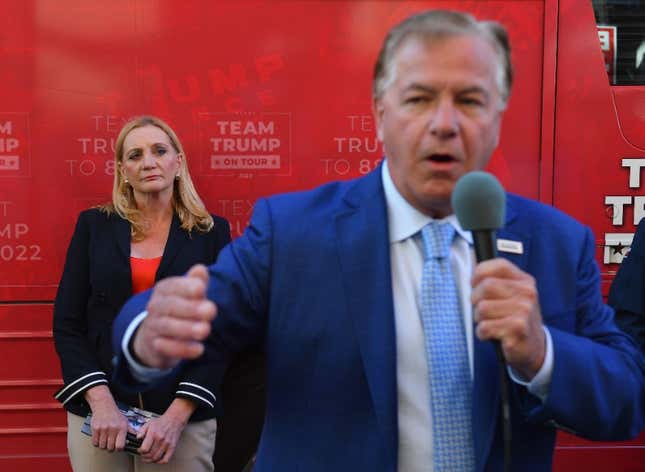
(621, 31)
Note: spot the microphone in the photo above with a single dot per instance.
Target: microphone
(479, 201)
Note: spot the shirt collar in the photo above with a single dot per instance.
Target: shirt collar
(404, 220)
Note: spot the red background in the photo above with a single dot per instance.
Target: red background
(72, 71)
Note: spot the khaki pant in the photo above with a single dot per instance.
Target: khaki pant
(194, 452)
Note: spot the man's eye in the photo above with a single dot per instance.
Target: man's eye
(470, 101)
(416, 100)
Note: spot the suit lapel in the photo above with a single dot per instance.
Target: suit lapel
(177, 238)
(363, 243)
(512, 232)
(122, 237)
(486, 394)
(363, 247)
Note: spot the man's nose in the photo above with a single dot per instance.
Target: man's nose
(444, 120)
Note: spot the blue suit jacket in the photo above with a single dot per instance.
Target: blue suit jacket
(311, 278)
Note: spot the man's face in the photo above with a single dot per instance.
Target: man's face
(440, 117)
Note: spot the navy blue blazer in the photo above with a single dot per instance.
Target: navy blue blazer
(95, 283)
(311, 276)
(627, 292)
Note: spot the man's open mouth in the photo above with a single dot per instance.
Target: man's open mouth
(441, 158)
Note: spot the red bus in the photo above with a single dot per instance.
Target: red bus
(285, 86)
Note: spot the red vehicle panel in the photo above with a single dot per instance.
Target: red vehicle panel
(267, 97)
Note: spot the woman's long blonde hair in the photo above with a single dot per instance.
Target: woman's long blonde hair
(185, 202)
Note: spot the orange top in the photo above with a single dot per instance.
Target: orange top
(143, 273)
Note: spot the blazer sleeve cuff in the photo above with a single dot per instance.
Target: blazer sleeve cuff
(78, 386)
(196, 393)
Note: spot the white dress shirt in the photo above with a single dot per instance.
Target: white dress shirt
(406, 258)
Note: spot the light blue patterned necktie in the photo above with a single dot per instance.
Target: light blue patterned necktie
(447, 354)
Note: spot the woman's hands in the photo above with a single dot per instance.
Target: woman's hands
(109, 426)
(160, 435)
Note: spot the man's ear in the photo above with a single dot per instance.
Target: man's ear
(377, 111)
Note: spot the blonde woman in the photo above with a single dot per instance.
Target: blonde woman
(156, 226)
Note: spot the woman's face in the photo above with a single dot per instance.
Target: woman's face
(150, 163)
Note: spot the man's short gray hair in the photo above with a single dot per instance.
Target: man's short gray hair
(437, 24)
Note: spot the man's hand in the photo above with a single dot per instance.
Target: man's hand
(179, 319)
(506, 308)
(109, 426)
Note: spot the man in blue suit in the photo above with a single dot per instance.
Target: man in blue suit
(330, 281)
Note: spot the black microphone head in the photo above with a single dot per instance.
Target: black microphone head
(479, 201)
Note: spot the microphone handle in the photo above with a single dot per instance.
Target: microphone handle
(485, 243)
